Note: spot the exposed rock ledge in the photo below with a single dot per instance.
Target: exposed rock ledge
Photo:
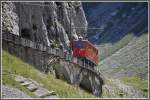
(44, 22)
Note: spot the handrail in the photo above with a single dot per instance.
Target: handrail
(54, 51)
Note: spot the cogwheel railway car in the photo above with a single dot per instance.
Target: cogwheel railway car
(86, 51)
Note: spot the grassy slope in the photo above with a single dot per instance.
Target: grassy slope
(135, 81)
(14, 65)
(116, 46)
(141, 85)
(124, 41)
(112, 90)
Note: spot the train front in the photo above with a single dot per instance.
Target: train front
(85, 51)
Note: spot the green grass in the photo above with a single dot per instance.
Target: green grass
(114, 92)
(14, 65)
(9, 80)
(141, 85)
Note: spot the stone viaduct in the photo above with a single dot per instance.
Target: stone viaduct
(48, 59)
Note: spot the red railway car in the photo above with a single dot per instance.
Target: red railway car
(84, 49)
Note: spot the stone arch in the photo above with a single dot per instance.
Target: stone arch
(95, 86)
(62, 71)
(85, 82)
(67, 74)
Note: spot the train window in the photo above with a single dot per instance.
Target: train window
(79, 44)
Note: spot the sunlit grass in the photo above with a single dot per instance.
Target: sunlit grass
(141, 85)
(14, 65)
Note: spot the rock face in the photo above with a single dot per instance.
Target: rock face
(46, 23)
(10, 18)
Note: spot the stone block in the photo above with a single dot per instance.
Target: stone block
(26, 83)
(32, 87)
(20, 79)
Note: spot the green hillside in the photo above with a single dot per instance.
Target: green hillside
(127, 87)
(108, 49)
(129, 65)
(131, 60)
(13, 65)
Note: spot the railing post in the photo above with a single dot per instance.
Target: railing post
(83, 62)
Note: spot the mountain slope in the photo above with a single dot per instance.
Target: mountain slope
(107, 49)
(115, 20)
(122, 44)
(131, 60)
(126, 70)
(131, 87)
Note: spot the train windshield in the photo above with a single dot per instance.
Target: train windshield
(79, 44)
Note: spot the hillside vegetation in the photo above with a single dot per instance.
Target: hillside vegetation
(127, 87)
(128, 65)
(141, 85)
(108, 49)
(13, 65)
(131, 60)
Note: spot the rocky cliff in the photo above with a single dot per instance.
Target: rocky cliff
(44, 22)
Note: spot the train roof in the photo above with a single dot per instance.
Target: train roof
(88, 42)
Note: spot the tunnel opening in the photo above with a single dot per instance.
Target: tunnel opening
(25, 33)
(34, 27)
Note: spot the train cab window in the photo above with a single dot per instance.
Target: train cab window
(79, 44)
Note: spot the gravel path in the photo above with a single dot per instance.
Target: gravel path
(9, 92)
